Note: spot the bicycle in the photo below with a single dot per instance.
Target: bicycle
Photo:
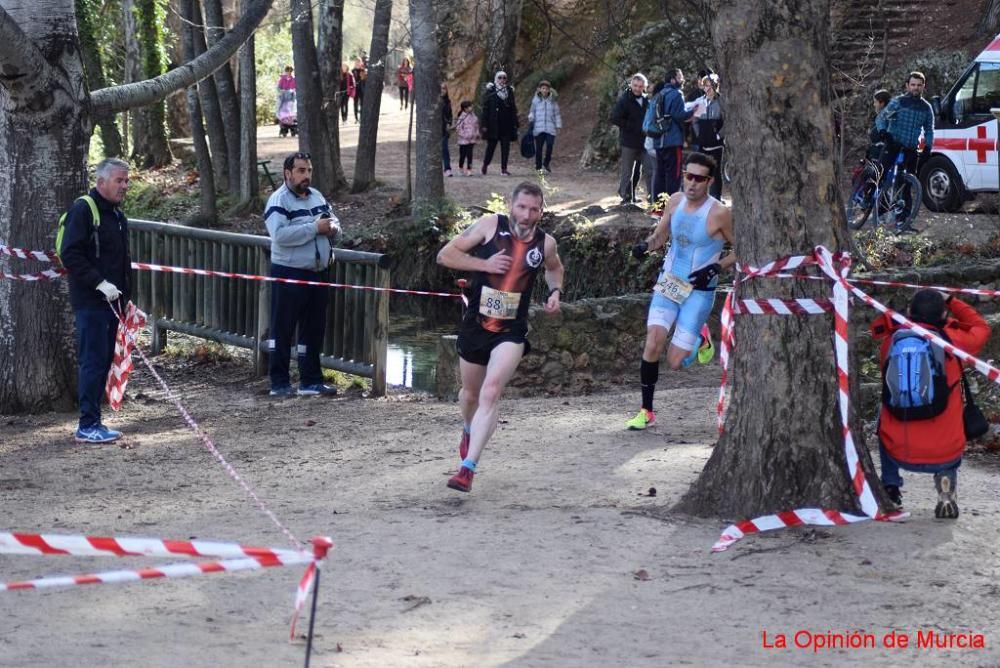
(894, 197)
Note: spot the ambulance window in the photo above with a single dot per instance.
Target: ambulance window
(987, 88)
(963, 98)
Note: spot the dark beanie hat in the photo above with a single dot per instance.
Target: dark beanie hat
(928, 307)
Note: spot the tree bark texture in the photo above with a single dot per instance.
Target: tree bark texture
(211, 110)
(504, 18)
(45, 127)
(429, 184)
(990, 23)
(314, 134)
(149, 132)
(208, 209)
(134, 120)
(783, 445)
(331, 55)
(44, 134)
(249, 181)
(111, 138)
(225, 86)
(364, 163)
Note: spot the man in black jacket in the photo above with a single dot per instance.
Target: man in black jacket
(96, 255)
(628, 114)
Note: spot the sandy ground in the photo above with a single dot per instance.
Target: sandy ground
(559, 556)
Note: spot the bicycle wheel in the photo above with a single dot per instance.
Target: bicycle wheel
(860, 203)
(899, 203)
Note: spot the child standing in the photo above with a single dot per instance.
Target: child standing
(467, 127)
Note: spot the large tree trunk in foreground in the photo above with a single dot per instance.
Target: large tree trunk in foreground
(331, 54)
(783, 447)
(314, 135)
(429, 187)
(45, 127)
(43, 147)
(364, 163)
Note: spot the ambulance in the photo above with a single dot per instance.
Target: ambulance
(963, 161)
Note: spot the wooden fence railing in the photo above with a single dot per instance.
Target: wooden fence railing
(237, 311)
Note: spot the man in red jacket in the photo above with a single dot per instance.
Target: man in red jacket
(932, 444)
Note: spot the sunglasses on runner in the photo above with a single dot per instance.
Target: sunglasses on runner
(697, 178)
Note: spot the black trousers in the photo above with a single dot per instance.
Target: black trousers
(543, 139)
(465, 155)
(491, 146)
(304, 307)
(343, 106)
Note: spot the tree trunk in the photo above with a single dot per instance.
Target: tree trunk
(212, 111)
(429, 187)
(44, 134)
(314, 134)
(135, 120)
(364, 163)
(783, 445)
(249, 181)
(229, 105)
(208, 210)
(111, 138)
(990, 23)
(44, 131)
(331, 55)
(149, 144)
(504, 24)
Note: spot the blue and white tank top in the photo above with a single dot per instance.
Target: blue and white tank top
(691, 246)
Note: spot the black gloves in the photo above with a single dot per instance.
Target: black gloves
(639, 250)
(700, 278)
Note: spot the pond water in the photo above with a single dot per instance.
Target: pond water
(413, 342)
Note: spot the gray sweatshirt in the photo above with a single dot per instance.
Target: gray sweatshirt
(291, 222)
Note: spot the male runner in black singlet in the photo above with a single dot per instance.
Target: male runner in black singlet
(505, 255)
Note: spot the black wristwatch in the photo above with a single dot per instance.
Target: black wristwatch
(553, 290)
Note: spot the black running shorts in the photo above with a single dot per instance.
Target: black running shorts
(475, 343)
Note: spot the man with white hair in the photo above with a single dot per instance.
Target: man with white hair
(628, 114)
(94, 250)
(302, 229)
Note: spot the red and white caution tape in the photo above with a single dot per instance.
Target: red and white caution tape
(726, 342)
(271, 279)
(783, 306)
(121, 365)
(231, 557)
(47, 275)
(41, 256)
(836, 266)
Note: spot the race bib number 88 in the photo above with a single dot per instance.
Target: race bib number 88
(673, 288)
(499, 304)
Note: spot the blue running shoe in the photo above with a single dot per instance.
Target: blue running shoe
(97, 434)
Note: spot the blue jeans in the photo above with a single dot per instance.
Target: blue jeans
(302, 306)
(547, 141)
(890, 468)
(95, 346)
(445, 153)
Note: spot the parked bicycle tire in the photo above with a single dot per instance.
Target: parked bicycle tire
(861, 202)
(899, 203)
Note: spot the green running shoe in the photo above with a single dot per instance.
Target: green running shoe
(642, 420)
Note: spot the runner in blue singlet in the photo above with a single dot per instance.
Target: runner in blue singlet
(697, 226)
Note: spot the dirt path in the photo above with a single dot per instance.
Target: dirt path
(569, 187)
(544, 563)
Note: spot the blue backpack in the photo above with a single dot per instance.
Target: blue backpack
(914, 384)
(655, 123)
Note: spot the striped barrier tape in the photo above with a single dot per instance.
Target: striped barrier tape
(41, 256)
(230, 558)
(836, 267)
(783, 306)
(47, 275)
(129, 324)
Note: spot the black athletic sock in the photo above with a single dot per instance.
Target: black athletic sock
(649, 373)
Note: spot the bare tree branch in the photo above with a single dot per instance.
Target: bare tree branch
(120, 98)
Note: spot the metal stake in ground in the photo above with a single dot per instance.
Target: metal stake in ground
(321, 546)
